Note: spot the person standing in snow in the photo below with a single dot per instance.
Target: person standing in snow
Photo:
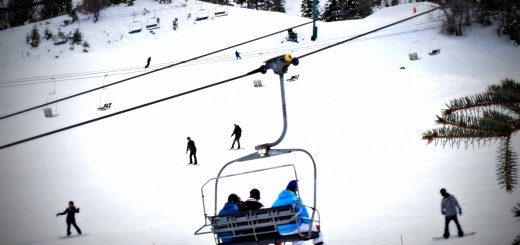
(414, 10)
(148, 62)
(252, 203)
(237, 132)
(237, 54)
(289, 197)
(231, 206)
(71, 220)
(193, 150)
(449, 207)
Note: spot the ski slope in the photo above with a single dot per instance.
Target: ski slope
(352, 108)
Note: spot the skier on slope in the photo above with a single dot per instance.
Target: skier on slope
(449, 207)
(193, 150)
(71, 220)
(237, 132)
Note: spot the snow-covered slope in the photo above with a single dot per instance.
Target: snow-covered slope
(353, 108)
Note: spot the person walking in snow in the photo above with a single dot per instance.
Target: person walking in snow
(231, 206)
(237, 132)
(71, 220)
(193, 150)
(252, 203)
(148, 62)
(237, 54)
(449, 207)
(289, 197)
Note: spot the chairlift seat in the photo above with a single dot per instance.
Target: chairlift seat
(220, 11)
(202, 15)
(106, 106)
(413, 56)
(435, 52)
(152, 23)
(135, 27)
(250, 227)
(257, 83)
(293, 78)
(48, 112)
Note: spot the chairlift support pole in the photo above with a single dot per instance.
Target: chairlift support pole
(279, 65)
(314, 17)
(101, 94)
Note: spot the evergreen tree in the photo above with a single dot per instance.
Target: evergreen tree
(332, 11)
(278, 6)
(509, 23)
(482, 118)
(51, 10)
(20, 11)
(350, 10)
(33, 38)
(306, 8)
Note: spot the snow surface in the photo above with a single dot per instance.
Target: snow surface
(353, 109)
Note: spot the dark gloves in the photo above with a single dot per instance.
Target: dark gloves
(460, 212)
(57, 215)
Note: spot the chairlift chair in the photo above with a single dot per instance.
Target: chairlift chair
(261, 226)
(153, 23)
(434, 46)
(414, 50)
(202, 15)
(51, 109)
(104, 98)
(135, 26)
(257, 83)
(221, 11)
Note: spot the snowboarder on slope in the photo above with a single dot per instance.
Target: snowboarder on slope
(414, 10)
(237, 132)
(237, 54)
(71, 220)
(449, 207)
(193, 150)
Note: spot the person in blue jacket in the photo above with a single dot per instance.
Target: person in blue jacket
(288, 197)
(230, 207)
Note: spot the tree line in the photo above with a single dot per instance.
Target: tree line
(458, 14)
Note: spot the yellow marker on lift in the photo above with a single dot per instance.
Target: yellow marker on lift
(288, 58)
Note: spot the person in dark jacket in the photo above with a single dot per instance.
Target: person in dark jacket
(449, 207)
(148, 62)
(252, 203)
(193, 150)
(237, 54)
(230, 207)
(71, 220)
(237, 132)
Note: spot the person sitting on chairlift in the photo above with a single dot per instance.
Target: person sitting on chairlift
(292, 36)
(230, 207)
(288, 197)
(252, 203)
